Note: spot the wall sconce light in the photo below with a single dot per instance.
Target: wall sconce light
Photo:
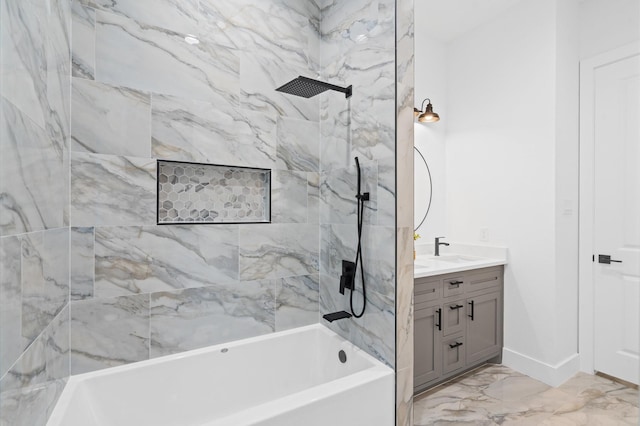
(428, 116)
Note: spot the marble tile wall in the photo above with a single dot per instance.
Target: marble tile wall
(35, 71)
(358, 48)
(141, 92)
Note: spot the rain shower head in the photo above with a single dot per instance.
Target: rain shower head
(308, 87)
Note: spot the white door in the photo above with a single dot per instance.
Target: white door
(616, 131)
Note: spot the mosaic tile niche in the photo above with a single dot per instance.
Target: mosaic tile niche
(209, 193)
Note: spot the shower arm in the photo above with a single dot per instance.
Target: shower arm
(348, 91)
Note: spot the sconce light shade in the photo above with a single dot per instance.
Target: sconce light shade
(428, 116)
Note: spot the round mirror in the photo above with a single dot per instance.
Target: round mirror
(423, 187)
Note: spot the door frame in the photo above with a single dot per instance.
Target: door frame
(586, 289)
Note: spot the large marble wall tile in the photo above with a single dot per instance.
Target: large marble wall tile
(83, 44)
(109, 332)
(46, 358)
(30, 406)
(340, 17)
(217, 22)
(57, 103)
(377, 332)
(36, 47)
(289, 197)
(337, 242)
(261, 74)
(338, 189)
(298, 144)
(11, 341)
(82, 263)
(34, 183)
(153, 59)
(335, 133)
(284, 29)
(297, 301)
(313, 200)
(56, 346)
(45, 279)
(386, 191)
(110, 120)
(177, 15)
(135, 259)
(24, 45)
(112, 190)
(191, 130)
(278, 251)
(198, 317)
(379, 259)
(29, 370)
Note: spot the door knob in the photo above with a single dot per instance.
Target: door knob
(606, 259)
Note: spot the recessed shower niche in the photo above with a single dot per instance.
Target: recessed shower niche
(210, 193)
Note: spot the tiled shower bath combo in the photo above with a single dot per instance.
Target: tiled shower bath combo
(97, 95)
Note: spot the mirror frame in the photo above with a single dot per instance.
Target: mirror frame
(430, 188)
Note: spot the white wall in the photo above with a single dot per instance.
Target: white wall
(500, 159)
(430, 82)
(511, 155)
(607, 24)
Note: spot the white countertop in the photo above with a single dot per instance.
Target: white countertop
(455, 258)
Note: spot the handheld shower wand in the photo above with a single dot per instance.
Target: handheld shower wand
(359, 260)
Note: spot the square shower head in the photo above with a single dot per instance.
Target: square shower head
(308, 87)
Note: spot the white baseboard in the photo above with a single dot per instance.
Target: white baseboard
(553, 375)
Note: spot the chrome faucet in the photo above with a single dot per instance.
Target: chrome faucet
(436, 251)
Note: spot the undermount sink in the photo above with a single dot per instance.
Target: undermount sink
(425, 263)
(455, 258)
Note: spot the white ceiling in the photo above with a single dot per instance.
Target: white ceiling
(446, 20)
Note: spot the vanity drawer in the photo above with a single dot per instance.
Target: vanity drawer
(453, 317)
(484, 279)
(453, 353)
(453, 285)
(426, 290)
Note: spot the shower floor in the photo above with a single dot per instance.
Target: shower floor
(497, 395)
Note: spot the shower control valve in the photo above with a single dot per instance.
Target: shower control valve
(348, 275)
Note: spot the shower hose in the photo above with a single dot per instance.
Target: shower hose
(359, 260)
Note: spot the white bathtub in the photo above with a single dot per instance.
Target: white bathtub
(287, 378)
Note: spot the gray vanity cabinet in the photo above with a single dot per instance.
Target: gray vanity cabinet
(458, 323)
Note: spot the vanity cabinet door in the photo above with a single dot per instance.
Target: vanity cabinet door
(484, 326)
(427, 353)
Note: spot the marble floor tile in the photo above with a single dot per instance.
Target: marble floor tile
(497, 395)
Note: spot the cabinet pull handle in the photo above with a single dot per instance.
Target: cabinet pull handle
(472, 306)
(455, 307)
(439, 324)
(455, 345)
(455, 283)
